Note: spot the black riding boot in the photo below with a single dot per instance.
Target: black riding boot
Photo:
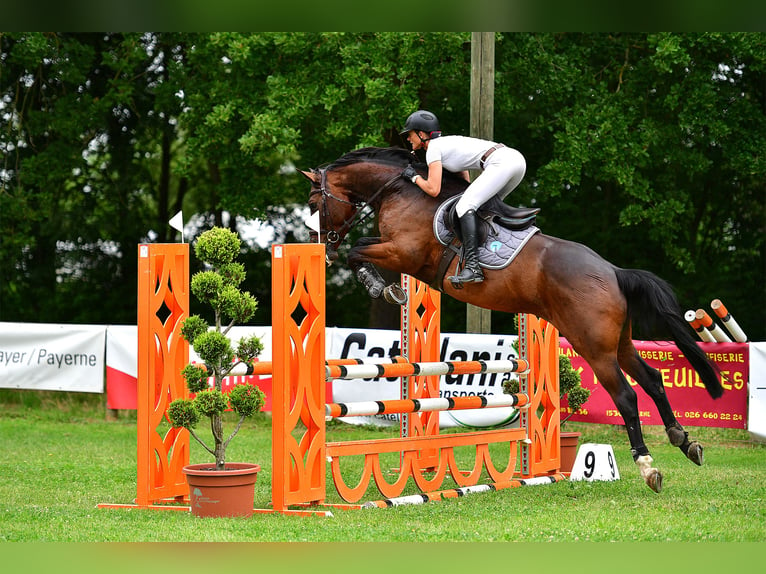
(471, 272)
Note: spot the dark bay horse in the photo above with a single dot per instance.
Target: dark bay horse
(588, 299)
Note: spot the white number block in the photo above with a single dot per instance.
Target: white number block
(595, 462)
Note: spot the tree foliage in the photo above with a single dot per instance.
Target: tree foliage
(656, 142)
(649, 148)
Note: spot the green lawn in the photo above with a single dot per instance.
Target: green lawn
(61, 459)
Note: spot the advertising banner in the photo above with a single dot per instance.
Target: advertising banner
(121, 366)
(379, 344)
(45, 357)
(42, 356)
(692, 405)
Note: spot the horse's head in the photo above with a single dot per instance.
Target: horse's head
(341, 191)
(336, 210)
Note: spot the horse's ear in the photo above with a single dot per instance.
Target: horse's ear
(312, 176)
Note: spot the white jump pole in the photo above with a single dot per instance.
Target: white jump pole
(696, 324)
(728, 321)
(714, 329)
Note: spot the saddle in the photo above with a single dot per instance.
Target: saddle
(503, 231)
(495, 212)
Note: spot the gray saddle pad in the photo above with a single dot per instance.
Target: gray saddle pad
(500, 248)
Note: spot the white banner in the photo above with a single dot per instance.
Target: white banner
(46, 357)
(756, 415)
(375, 344)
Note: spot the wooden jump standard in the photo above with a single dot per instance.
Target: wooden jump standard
(426, 457)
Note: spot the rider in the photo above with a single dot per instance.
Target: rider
(502, 170)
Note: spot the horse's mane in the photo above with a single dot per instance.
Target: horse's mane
(452, 183)
(388, 155)
(399, 157)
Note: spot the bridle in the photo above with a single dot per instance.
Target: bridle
(333, 237)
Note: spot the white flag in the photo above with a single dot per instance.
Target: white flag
(178, 223)
(313, 222)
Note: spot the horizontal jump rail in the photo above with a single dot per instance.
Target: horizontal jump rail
(369, 371)
(439, 495)
(265, 367)
(369, 408)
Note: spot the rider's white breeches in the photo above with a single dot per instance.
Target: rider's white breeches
(503, 171)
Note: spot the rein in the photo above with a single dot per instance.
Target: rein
(334, 237)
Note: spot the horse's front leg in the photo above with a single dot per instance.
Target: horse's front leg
(368, 275)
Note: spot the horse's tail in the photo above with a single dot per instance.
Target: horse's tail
(653, 305)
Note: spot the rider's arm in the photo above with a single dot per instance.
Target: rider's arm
(433, 185)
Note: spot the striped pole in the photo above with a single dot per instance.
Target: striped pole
(425, 369)
(728, 321)
(696, 324)
(265, 367)
(370, 408)
(714, 329)
(459, 492)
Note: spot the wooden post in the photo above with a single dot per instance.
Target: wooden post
(479, 320)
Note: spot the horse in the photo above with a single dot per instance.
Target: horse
(592, 302)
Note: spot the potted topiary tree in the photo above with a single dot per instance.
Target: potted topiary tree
(220, 489)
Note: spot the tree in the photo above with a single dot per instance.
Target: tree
(257, 104)
(646, 147)
(88, 135)
(649, 149)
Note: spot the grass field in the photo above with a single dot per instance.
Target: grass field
(61, 458)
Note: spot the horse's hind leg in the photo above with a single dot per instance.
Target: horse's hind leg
(608, 372)
(650, 380)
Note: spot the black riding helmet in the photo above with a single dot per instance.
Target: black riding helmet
(424, 121)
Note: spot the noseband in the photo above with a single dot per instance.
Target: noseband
(333, 237)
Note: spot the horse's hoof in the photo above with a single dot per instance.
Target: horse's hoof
(676, 435)
(395, 295)
(694, 453)
(653, 480)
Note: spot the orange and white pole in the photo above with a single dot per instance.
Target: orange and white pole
(714, 329)
(696, 324)
(728, 321)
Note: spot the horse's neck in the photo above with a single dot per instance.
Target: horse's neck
(375, 187)
(385, 188)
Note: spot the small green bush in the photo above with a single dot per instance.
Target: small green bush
(218, 287)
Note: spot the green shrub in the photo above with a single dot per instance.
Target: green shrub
(218, 287)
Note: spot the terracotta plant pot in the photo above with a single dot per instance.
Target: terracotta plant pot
(228, 492)
(569, 441)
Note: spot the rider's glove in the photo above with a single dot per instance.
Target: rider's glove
(410, 173)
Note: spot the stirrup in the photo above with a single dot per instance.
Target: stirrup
(476, 276)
